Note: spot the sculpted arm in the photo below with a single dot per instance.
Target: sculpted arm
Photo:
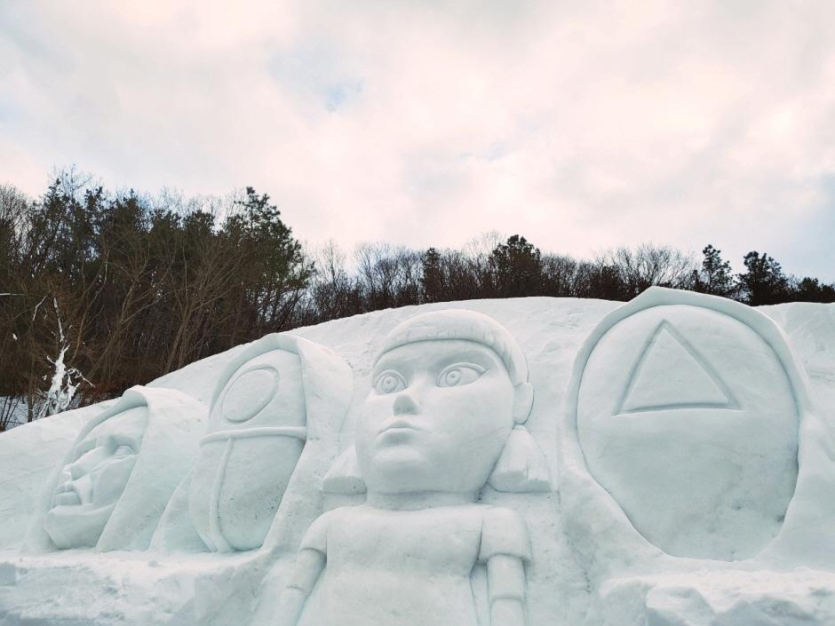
(506, 587)
(310, 563)
(309, 566)
(505, 548)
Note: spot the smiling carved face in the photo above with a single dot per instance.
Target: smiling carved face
(91, 484)
(436, 418)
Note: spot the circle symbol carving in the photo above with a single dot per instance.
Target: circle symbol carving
(249, 394)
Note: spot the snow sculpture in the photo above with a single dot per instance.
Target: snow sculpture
(686, 416)
(444, 417)
(110, 489)
(275, 417)
(682, 424)
(620, 576)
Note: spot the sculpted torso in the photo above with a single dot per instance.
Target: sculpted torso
(421, 575)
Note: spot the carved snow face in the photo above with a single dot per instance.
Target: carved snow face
(92, 483)
(436, 419)
(255, 436)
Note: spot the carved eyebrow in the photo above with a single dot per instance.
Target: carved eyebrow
(83, 448)
(474, 354)
(465, 363)
(379, 371)
(385, 364)
(119, 439)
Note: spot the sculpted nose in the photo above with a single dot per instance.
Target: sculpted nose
(404, 405)
(76, 470)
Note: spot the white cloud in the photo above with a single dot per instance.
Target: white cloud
(579, 125)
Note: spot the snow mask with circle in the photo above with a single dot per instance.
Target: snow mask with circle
(91, 484)
(256, 433)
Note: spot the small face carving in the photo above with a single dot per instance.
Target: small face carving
(92, 483)
(436, 419)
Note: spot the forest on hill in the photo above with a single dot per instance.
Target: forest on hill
(100, 291)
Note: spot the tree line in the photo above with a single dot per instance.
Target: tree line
(100, 291)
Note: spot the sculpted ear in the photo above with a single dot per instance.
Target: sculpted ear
(522, 402)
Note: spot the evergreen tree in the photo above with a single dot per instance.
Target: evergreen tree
(763, 282)
(432, 281)
(518, 268)
(812, 290)
(715, 277)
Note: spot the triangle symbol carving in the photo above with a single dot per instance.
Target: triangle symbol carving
(671, 374)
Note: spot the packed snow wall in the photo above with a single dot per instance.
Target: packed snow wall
(669, 461)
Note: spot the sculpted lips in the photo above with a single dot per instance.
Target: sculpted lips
(399, 425)
(66, 495)
(71, 493)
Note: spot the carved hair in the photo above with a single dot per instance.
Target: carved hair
(463, 325)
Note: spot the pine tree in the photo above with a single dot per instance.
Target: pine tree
(764, 281)
(715, 277)
(518, 268)
(432, 281)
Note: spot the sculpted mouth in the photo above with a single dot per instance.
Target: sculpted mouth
(399, 425)
(73, 493)
(67, 496)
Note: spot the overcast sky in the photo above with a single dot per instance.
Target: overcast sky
(582, 125)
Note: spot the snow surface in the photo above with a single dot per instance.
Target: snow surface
(637, 576)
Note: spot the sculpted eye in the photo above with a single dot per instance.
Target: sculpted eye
(123, 451)
(459, 374)
(83, 449)
(389, 382)
(118, 448)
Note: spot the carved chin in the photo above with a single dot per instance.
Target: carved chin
(399, 468)
(77, 526)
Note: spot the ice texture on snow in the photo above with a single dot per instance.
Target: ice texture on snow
(599, 553)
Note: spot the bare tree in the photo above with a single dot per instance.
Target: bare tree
(648, 265)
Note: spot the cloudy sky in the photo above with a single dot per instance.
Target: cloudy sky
(582, 125)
